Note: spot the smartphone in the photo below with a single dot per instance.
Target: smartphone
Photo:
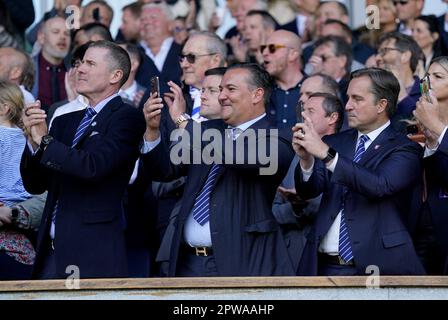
(96, 14)
(155, 85)
(299, 110)
(425, 86)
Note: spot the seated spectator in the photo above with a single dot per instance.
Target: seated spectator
(75, 101)
(131, 91)
(399, 54)
(426, 33)
(16, 251)
(333, 57)
(130, 23)
(259, 25)
(305, 11)
(180, 30)
(50, 69)
(16, 17)
(318, 82)
(97, 11)
(282, 60)
(408, 11)
(388, 23)
(94, 31)
(17, 67)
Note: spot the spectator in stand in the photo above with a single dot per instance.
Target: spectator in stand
(302, 25)
(90, 32)
(97, 11)
(16, 17)
(130, 23)
(408, 11)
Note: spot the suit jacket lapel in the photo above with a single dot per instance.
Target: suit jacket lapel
(104, 114)
(378, 144)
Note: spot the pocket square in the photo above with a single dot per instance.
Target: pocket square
(94, 133)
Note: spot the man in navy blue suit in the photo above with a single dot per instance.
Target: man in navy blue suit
(85, 163)
(366, 177)
(225, 225)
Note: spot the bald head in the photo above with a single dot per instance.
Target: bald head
(13, 62)
(291, 39)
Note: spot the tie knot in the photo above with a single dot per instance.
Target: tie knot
(363, 139)
(236, 132)
(90, 112)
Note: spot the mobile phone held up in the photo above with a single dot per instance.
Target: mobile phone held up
(425, 86)
(299, 110)
(155, 86)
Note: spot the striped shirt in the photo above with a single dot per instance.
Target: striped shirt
(12, 143)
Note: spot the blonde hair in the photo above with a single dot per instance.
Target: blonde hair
(13, 97)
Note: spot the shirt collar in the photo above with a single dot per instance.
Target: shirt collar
(103, 103)
(247, 124)
(375, 133)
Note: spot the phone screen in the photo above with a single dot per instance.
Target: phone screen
(425, 86)
(299, 110)
(155, 86)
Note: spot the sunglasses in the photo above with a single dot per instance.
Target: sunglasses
(272, 47)
(191, 58)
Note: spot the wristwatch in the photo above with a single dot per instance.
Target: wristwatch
(331, 154)
(46, 140)
(182, 118)
(14, 214)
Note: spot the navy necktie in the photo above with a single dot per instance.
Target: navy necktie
(83, 125)
(345, 247)
(201, 207)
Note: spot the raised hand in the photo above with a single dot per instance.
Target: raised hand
(175, 101)
(34, 121)
(152, 111)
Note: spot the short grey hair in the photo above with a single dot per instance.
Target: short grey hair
(214, 44)
(162, 6)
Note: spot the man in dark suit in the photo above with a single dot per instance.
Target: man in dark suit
(366, 176)
(304, 11)
(225, 225)
(160, 52)
(85, 163)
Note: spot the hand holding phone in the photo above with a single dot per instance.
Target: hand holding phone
(425, 86)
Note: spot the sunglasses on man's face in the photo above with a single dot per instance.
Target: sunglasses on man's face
(191, 58)
(271, 47)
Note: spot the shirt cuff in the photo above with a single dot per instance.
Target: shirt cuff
(429, 151)
(332, 164)
(307, 173)
(148, 146)
(30, 147)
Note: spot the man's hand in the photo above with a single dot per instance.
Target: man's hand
(34, 121)
(175, 101)
(152, 111)
(239, 48)
(428, 114)
(316, 62)
(305, 136)
(5, 215)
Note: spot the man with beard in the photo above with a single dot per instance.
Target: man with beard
(54, 38)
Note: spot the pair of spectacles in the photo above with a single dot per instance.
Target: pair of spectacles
(402, 2)
(383, 51)
(272, 47)
(191, 58)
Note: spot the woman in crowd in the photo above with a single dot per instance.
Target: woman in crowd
(432, 113)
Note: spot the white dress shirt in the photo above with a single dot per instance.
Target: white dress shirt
(428, 151)
(160, 57)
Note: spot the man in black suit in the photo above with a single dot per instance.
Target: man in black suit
(85, 163)
(366, 176)
(225, 225)
(160, 52)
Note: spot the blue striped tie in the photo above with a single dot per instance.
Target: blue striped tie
(345, 247)
(84, 124)
(201, 207)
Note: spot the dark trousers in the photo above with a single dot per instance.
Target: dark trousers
(10, 269)
(48, 266)
(190, 265)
